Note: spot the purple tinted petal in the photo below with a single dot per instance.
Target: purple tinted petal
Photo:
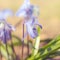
(22, 10)
(30, 25)
(36, 22)
(1, 15)
(35, 32)
(24, 36)
(20, 13)
(39, 25)
(8, 35)
(1, 33)
(31, 31)
(29, 10)
(5, 34)
(27, 1)
(7, 13)
(2, 37)
(11, 27)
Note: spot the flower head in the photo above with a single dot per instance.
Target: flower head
(5, 28)
(28, 11)
(31, 27)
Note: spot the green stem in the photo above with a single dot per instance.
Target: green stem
(36, 46)
(49, 48)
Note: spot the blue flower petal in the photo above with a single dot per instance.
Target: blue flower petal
(5, 32)
(5, 13)
(39, 25)
(36, 22)
(1, 15)
(21, 13)
(27, 2)
(10, 27)
(31, 31)
(22, 10)
(31, 28)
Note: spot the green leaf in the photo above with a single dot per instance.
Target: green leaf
(4, 52)
(16, 40)
(49, 48)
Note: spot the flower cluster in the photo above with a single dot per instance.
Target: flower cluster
(28, 12)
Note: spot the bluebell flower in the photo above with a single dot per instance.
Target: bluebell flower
(30, 20)
(5, 28)
(31, 27)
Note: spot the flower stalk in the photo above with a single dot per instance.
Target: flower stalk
(23, 42)
(28, 44)
(37, 43)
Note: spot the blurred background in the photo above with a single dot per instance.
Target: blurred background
(49, 16)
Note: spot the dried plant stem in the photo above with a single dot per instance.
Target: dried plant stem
(12, 46)
(28, 45)
(13, 50)
(7, 50)
(17, 24)
(23, 43)
(0, 52)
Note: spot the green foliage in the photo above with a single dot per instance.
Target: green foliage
(47, 50)
(6, 49)
(4, 52)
